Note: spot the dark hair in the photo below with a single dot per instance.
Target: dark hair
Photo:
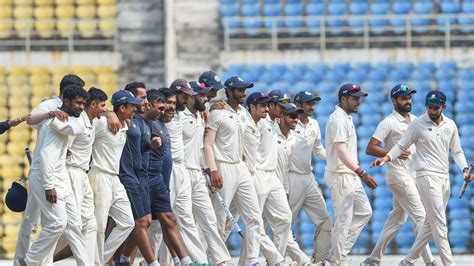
(167, 92)
(155, 96)
(72, 91)
(133, 87)
(70, 79)
(117, 107)
(96, 95)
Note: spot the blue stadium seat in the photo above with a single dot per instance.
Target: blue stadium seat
(420, 25)
(293, 1)
(271, 1)
(229, 10)
(357, 76)
(293, 10)
(377, 25)
(293, 25)
(228, 2)
(313, 77)
(357, 24)
(336, 25)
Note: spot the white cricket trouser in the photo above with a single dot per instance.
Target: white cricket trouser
(239, 188)
(206, 218)
(304, 193)
(352, 212)
(110, 198)
(56, 219)
(434, 193)
(406, 203)
(272, 201)
(84, 197)
(182, 205)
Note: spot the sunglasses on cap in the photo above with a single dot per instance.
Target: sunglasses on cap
(403, 88)
(436, 101)
(353, 89)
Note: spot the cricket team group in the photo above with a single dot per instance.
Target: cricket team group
(168, 171)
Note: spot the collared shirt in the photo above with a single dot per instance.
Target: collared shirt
(175, 130)
(145, 146)
(251, 140)
(433, 143)
(157, 156)
(285, 153)
(229, 126)
(389, 132)
(52, 147)
(131, 159)
(267, 148)
(193, 138)
(340, 128)
(80, 146)
(47, 106)
(308, 141)
(107, 148)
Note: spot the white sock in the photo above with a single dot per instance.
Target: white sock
(154, 263)
(124, 259)
(176, 261)
(185, 261)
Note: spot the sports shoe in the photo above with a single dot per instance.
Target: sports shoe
(370, 262)
(404, 262)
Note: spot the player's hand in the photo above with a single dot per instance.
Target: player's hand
(113, 122)
(216, 179)
(51, 195)
(405, 155)
(379, 161)
(468, 178)
(16, 122)
(217, 106)
(155, 142)
(60, 115)
(368, 180)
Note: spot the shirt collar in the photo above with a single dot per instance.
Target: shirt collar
(341, 111)
(427, 119)
(87, 121)
(400, 118)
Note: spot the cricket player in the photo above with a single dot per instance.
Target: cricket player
(6, 125)
(304, 192)
(193, 140)
(77, 165)
(180, 183)
(352, 209)
(50, 187)
(162, 110)
(110, 196)
(135, 156)
(400, 179)
(434, 135)
(223, 152)
(212, 80)
(47, 109)
(259, 144)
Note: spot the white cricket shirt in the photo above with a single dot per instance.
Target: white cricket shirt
(175, 130)
(251, 141)
(229, 126)
(193, 138)
(80, 146)
(107, 147)
(285, 153)
(267, 148)
(340, 128)
(433, 143)
(308, 141)
(389, 132)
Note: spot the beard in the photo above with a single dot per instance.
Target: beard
(434, 117)
(179, 106)
(201, 107)
(404, 108)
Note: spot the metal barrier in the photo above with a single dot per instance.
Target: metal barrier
(64, 34)
(361, 31)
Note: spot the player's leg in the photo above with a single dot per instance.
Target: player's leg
(295, 197)
(206, 219)
(73, 231)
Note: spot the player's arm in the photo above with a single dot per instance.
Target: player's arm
(351, 163)
(113, 123)
(374, 147)
(70, 128)
(318, 148)
(209, 140)
(456, 150)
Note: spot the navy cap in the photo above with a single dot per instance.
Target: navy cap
(181, 85)
(350, 89)
(124, 96)
(401, 90)
(257, 98)
(291, 108)
(278, 96)
(237, 83)
(16, 197)
(435, 98)
(211, 79)
(199, 87)
(306, 96)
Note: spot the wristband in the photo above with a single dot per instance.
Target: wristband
(362, 173)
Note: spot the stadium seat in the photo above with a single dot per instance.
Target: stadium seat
(377, 25)
(65, 11)
(86, 11)
(272, 10)
(44, 12)
(229, 10)
(45, 28)
(357, 24)
(336, 25)
(293, 26)
(65, 27)
(87, 28)
(106, 11)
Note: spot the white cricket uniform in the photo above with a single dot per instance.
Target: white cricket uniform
(181, 194)
(50, 173)
(238, 183)
(352, 209)
(285, 153)
(433, 143)
(401, 181)
(110, 197)
(193, 137)
(259, 144)
(31, 215)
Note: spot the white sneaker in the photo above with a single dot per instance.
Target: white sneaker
(370, 262)
(404, 262)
